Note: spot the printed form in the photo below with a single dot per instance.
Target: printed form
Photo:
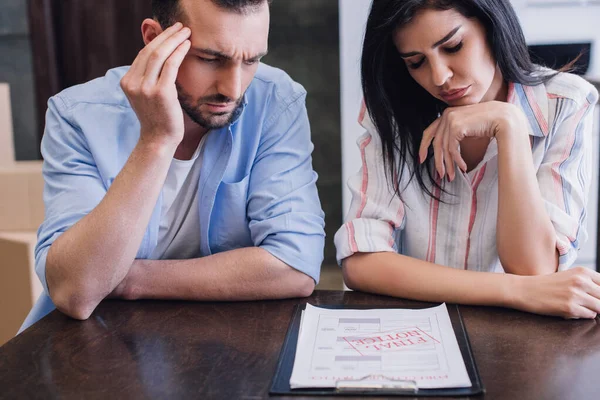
(386, 344)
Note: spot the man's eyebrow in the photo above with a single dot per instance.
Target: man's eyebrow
(259, 55)
(224, 56)
(436, 44)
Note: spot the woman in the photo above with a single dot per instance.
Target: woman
(474, 162)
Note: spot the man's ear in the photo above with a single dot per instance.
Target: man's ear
(150, 29)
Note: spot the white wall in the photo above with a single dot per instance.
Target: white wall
(353, 16)
(562, 21)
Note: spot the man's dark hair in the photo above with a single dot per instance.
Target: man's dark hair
(167, 12)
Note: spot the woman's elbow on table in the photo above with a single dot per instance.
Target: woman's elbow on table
(351, 272)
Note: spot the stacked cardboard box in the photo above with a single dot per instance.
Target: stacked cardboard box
(7, 152)
(19, 286)
(21, 205)
(21, 213)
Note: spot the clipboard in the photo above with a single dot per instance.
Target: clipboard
(281, 381)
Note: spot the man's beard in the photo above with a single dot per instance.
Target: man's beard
(207, 120)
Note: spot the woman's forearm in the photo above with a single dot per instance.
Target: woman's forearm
(574, 293)
(397, 275)
(525, 236)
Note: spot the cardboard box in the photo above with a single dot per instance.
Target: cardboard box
(7, 149)
(21, 191)
(19, 285)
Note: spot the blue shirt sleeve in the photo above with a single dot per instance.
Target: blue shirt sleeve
(285, 213)
(72, 184)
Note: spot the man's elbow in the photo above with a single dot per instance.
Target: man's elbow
(73, 303)
(71, 296)
(293, 283)
(304, 286)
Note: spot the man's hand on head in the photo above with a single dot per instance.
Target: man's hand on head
(150, 86)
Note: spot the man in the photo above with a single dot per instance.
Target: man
(185, 176)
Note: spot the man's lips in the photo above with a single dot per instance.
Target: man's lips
(219, 107)
(454, 94)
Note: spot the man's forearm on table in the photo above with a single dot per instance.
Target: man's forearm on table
(249, 273)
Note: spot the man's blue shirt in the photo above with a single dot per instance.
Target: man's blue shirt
(257, 186)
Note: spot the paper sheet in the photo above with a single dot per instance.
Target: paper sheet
(396, 344)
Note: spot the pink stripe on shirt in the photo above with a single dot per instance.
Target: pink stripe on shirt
(365, 177)
(351, 238)
(476, 182)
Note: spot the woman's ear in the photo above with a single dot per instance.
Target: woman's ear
(150, 29)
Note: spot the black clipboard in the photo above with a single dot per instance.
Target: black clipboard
(281, 381)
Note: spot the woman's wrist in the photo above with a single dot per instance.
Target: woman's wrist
(515, 290)
(511, 124)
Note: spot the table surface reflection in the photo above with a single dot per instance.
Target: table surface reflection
(226, 350)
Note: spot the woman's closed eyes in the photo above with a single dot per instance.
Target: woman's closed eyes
(448, 50)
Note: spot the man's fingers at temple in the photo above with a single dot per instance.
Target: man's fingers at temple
(138, 67)
(161, 54)
(171, 66)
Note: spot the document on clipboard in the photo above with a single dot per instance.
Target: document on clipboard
(395, 349)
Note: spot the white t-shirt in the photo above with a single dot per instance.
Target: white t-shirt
(179, 230)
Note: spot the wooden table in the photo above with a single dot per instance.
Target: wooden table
(166, 349)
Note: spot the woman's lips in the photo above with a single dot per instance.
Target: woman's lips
(454, 94)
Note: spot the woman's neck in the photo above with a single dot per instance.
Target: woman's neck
(498, 89)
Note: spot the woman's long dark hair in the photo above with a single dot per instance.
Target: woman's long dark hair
(399, 107)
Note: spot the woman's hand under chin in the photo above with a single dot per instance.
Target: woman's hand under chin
(493, 119)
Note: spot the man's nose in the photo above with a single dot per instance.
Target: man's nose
(230, 82)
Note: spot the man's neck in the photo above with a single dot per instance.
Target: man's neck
(191, 139)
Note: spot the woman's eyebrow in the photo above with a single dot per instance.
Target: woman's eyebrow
(436, 44)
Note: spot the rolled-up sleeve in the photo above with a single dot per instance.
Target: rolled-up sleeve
(72, 183)
(565, 174)
(285, 213)
(376, 212)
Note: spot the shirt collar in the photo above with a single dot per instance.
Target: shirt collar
(237, 113)
(533, 101)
